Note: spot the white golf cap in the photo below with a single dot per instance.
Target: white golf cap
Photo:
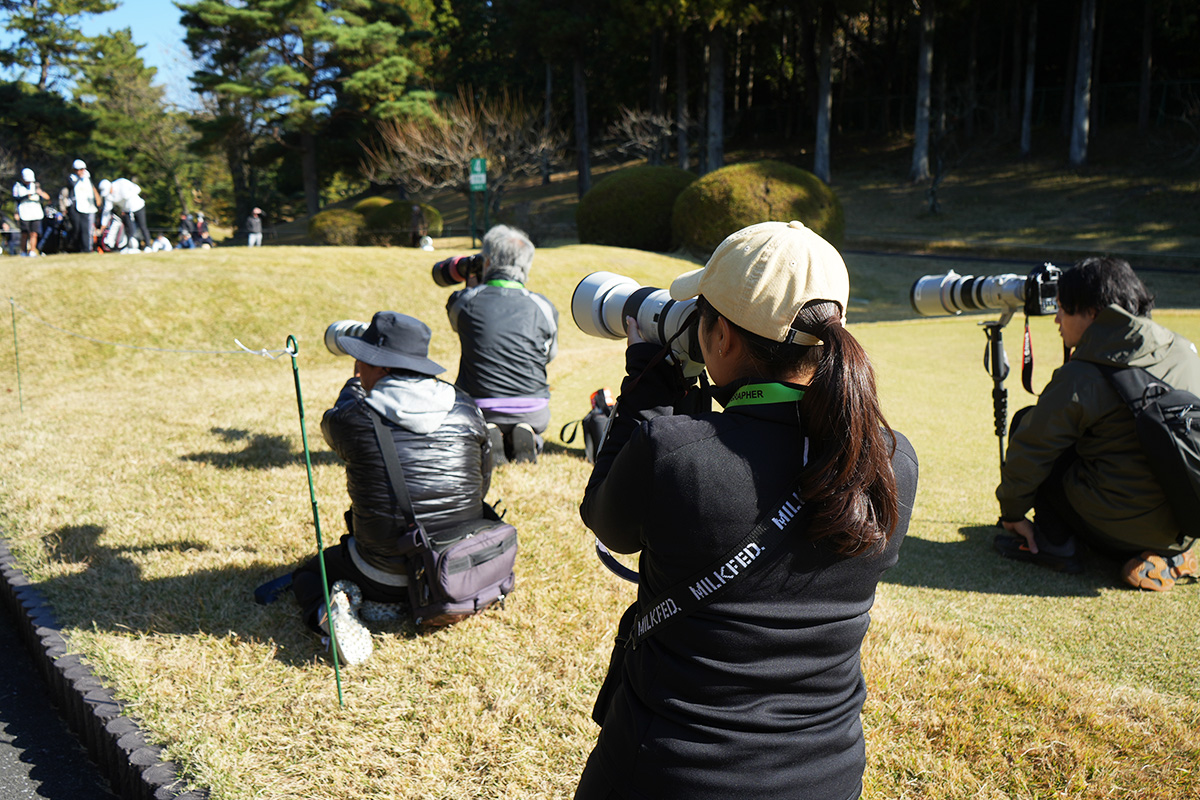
(79, 164)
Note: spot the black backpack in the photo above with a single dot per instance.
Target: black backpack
(1167, 422)
(594, 424)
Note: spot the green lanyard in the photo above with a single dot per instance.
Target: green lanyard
(506, 284)
(757, 394)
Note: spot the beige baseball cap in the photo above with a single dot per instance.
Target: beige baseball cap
(761, 276)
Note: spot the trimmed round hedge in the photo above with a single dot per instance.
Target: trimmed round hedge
(336, 226)
(632, 208)
(728, 199)
(369, 205)
(390, 223)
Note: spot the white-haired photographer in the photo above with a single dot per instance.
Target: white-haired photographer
(1075, 459)
(508, 336)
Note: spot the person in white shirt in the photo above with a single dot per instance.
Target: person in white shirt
(85, 202)
(29, 210)
(125, 197)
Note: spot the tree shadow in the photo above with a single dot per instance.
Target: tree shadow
(111, 593)
(262, 451)
(971, 565)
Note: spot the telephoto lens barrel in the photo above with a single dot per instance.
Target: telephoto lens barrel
(343, 327)
(602, 301)
(934, 295)
(457, 269)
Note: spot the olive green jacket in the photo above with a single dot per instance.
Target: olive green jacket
(1110, 485)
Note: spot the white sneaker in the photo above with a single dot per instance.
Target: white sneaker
(373, 611)
(350, 636)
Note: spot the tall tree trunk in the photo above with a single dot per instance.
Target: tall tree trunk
(716, 99)
(583, 162)
(737, 71)
(920, 157)
(1097, 62)
(1068, 106)
(1030, 63)
(1014, 94)
(1083, 84)
(972, 75)
(750, 78)
(545, 168)
(681, 100)
(824, 92)
(1144, 88)
(657, 89)
(308, 170)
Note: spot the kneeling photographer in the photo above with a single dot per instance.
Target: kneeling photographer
(1075, 459)
(763, 531)
(508, 336)
(441, 441)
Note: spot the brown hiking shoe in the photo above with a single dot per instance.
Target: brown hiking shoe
(1158, 573)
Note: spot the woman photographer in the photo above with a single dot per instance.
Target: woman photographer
(758, 691)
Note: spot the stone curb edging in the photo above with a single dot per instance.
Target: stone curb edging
(113, 741)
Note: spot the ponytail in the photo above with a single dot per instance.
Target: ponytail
(848, 477)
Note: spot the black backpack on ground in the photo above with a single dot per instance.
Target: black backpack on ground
(594, 424)
(457, 572)
(1167, 421)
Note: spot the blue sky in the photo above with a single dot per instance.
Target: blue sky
(155, 26)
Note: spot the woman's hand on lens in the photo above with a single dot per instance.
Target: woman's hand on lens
(633, 334)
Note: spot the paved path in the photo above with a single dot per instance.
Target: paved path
(39, 756)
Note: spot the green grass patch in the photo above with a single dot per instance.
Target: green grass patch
(148, 491)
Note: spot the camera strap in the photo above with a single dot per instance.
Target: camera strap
(391, 462)
(761, 546)
(1027, 359)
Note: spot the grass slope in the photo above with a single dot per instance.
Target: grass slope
(148, 491)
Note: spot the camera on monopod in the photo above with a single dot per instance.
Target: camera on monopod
(951, 293)
(1036, 294)
(602, 301)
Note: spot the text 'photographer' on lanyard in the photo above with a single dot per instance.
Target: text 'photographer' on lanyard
(762, 545)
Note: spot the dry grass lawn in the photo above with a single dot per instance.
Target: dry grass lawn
(148, 491)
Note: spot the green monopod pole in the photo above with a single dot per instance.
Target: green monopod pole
(17, 354)
(312, 496)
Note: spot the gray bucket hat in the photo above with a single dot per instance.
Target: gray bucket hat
(393, 340)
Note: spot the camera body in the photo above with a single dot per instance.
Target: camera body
(343, 327)
(602, 301)
(951, 293)
(457, 269)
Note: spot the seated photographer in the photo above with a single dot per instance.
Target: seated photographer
(759, 692)
(443, 446)
(508, 335)
(1074, 458)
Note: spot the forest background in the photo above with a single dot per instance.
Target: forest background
(292, 98)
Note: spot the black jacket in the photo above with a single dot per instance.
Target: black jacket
(508, 336)
(759, 693)
(443, 445)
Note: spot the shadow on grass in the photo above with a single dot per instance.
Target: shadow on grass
(971, 565)
(113, 594)
(262, 451)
